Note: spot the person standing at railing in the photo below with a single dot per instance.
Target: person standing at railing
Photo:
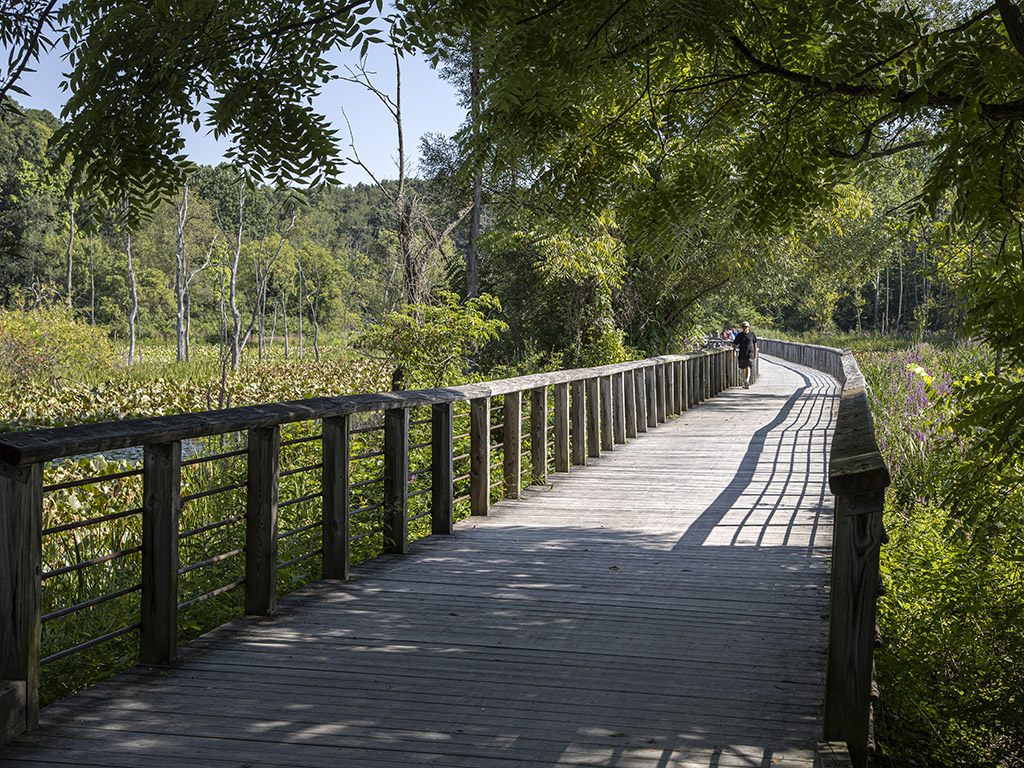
(745, 345)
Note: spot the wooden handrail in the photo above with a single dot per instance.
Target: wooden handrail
(595, 409)
(857, 478)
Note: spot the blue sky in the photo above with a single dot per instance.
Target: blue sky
(429, 105)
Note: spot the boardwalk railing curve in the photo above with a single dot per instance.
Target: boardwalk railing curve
(419, 454)
(858, 478)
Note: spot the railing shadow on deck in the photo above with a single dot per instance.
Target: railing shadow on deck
(593, 410)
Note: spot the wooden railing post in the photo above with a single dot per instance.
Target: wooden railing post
(855, 553)
(628, 386)
(21, 497)
(335, 502)
(677, 366)
(651, 380)
(261, 520)
(684, 376)
(705, 376)
(396, 480)
(539, 435)
(578, 417)
(618, 409)
(442, 468)
(561, 426)
(670, 389)
(662, 375)
(161, 505)
(640, 393)
(512, 450)
(593, 418)
(607, 414)
(480, 456)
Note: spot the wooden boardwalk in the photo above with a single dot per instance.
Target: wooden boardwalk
(666, 606)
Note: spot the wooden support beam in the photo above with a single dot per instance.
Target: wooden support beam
(21, 531)
(561, 427)
(640, 393)
(512, 450)
(336, 504)
(662, 392)
(539, 435)
(628, 386)
(856, 542)
(607, 414)
(677, 367)
(618, 409)
(578, 418)
(480, 456)
(261, 520)
(161, 506)
(670, 389)
(442, 468)
(651, 377)
(684, 377)
(396, 481)
(593, 418)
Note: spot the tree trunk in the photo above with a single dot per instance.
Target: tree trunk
(92, 286)
(284, 314)
(133, 311)
(236, 334)
(899, 305)
(71, 245)
(179, 275)
(472, 257)
(301, 301)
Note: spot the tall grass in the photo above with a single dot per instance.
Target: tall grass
(950, 667)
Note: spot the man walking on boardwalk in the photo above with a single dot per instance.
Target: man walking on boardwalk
(745, 345)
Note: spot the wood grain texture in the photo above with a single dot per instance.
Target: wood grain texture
(336, 503)
(662, 607)
(396, 481)
(20, 595)
(261, 520)
(161, 506)
(442, 469)
(480, 456)
(578, 419)
(538, 435)
(512, 448)
(561, 427)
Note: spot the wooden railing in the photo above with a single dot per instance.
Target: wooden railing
(571, 416)
(858, 478)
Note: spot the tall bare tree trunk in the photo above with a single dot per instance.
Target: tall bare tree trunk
(92, 286)
(301, 301)
(472, 257)
(899, 306)
(180, 279)
(284, 314)
(71, 245)
(236, 316)
(133, 311)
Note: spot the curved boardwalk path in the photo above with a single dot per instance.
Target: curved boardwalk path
(666, 606)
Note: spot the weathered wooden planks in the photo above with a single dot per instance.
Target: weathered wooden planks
(661, 608)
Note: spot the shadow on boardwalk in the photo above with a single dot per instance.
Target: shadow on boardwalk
(665, 607)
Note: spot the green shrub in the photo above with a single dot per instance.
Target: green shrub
(47, 345)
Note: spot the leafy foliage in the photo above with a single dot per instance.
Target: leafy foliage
(430, 344)
(951, 618)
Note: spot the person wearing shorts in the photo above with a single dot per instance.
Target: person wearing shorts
(745, 345)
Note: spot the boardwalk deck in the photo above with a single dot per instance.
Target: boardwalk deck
(666, 606)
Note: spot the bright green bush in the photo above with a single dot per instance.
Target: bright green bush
(46, 345)
(951, 667)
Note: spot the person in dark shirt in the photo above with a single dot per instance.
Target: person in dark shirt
(745, 345)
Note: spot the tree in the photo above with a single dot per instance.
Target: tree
(142, 71)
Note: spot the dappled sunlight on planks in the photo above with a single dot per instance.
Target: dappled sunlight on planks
(663, 607)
